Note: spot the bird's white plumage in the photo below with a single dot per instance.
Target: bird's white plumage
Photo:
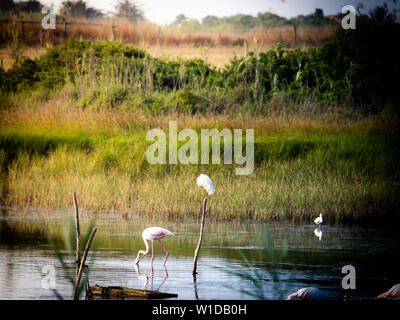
(205, 182)
(319, 219)
(151, 234)
(309, 293)
(156, 233)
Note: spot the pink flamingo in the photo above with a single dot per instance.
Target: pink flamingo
(309, 293)
(154, 233)
(392, 294)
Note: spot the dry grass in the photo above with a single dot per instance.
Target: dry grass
(217, 47)
(57, 113)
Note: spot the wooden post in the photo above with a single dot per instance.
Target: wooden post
(41, 37)
(65, 30)
(196, 253)
(85, 253)
(113, 32)
(294, 33)
(78, 237)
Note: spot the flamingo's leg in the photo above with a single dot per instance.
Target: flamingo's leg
(166, 251)
(152, 252)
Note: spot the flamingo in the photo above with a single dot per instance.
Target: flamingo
(154, 233)
(309, 293)
(392, 294)
(318, 220)
(205, 182)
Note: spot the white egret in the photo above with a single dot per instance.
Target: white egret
(318, 220)
(205, 182)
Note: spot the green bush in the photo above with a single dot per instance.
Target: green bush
(358, 67)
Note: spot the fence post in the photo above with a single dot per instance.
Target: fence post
(294, 34)
(41, 36)
(112, 32)
(65, 30)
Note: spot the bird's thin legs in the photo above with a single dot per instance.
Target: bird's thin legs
(166, 251)
(152, 253)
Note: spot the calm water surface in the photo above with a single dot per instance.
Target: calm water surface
(238, 260)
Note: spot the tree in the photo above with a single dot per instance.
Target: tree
(129, 10)
(180, 18)
(78, 9)
(29, 6)
(211, 21)
(381, 15)
(6, 5)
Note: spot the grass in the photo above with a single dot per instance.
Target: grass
(152, 34)
(345, 169)
(217, 47)
(76, 120)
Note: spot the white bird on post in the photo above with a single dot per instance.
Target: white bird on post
(205, 182)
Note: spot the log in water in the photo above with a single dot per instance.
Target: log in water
(126, 293)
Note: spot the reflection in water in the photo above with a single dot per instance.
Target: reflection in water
(146, 277)
(318, 233)
(288, 259)
(196, 296)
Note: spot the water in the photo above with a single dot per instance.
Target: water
(238, 260)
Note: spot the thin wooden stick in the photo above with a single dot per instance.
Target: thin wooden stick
(196, 253)
(78, 237)
(85, 253)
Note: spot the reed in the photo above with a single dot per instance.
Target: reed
(346, 170)
(81, 126)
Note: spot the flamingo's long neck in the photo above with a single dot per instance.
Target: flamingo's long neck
(143, 252)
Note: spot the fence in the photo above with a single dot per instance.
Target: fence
(63, 26)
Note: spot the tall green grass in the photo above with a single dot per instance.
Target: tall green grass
(76, 119)
(349, 176)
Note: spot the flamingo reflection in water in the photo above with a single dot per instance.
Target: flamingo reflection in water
(146, 278)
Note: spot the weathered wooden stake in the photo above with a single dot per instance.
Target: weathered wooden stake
(80, 262)
(85, 253)
(65, 30)
(112, 32)
(196, 253)
(78, 237)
